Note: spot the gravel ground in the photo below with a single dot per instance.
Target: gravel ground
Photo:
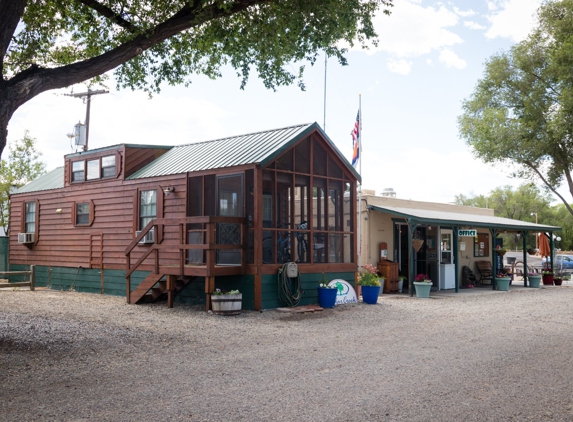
(69, 356)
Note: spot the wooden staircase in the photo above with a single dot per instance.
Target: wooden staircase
(156, 286)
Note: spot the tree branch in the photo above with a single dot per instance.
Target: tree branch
(38, 80)
(534, 168)
(11, 11)
(106, 12)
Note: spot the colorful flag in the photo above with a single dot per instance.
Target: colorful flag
(356, 140)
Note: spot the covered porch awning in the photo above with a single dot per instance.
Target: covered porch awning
(445, 218)
(415, 217)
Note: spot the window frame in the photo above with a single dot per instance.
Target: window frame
(99, 158)
(91, 214)
(158, 209)
(36, 222)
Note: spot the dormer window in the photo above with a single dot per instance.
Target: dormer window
(108, 166)
(78, 171)
(97, 168)
(93, 169)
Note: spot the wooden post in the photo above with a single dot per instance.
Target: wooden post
(170, 290)
(32, 277)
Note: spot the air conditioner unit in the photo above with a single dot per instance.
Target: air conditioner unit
(148, 238)
(26, 237)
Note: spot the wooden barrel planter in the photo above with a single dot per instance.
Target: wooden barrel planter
(227, 304)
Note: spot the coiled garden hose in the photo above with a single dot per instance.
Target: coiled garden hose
(289, 289)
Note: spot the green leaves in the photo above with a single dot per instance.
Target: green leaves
(521, 110)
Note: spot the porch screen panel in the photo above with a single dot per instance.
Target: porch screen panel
(284, 193)
(302, 157)
(348, 248)
(250, 210)
(334, 169)
(335, 222)
(319, 220)
(302, 219)
(195, 235)
(319, 157)
(269, 217)
(347, 208)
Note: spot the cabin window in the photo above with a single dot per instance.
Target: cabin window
(108, 166)
(147, 207)
(93, 169)
(78, 169)
(82, 213)
(30, 225)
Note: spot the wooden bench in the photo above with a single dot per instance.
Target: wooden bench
(31, 283)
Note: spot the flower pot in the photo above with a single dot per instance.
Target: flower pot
(422, 289)
(534, 281)
(327, 297)
(548, 279)
(557, 281)
(227, 304)
(370, 294)
(502, 283)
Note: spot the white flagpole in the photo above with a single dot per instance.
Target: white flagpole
(360, 154)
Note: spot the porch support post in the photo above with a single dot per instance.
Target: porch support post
(493, 233)
(411, 229)
(525, 272)
(455, 253)
(551, 245)
(170, 290)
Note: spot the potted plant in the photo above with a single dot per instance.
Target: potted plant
(547, 275)
(326, 293)
(423, 285)
(502, 281)
(401, 280)
(534, 280)
(500, 251)
(371, 283)
(557, 280)
(226, 302)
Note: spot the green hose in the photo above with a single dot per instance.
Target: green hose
(290, 289)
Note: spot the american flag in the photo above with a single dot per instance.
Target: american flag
(356, 140)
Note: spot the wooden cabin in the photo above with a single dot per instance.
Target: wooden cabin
(154, 221)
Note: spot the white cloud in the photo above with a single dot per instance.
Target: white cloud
(413, 30)
(403, 67)
(451, 59)
(514, 19)
(479, 178)
(464, 13)
(473, 25)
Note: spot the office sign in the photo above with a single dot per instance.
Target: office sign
(467, 233)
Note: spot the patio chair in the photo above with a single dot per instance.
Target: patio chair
(484, 271)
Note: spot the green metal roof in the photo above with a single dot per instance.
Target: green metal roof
(446, 218)
(255, 148)
(51, 180)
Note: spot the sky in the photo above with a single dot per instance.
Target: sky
(410, 89)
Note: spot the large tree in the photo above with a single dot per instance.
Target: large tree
(520, 113)
(49, 44)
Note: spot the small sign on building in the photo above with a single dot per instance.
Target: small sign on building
(467, 233)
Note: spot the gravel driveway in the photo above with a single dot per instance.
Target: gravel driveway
(69, 356)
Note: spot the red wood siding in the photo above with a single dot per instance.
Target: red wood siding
(60, 243)
(137, 158)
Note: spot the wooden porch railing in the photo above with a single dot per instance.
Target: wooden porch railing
(209, 245)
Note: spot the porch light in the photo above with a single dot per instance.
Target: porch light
(168, 190)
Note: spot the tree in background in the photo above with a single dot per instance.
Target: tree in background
(521, 111)
(52, 44)
(517, 204)
(21, 167)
